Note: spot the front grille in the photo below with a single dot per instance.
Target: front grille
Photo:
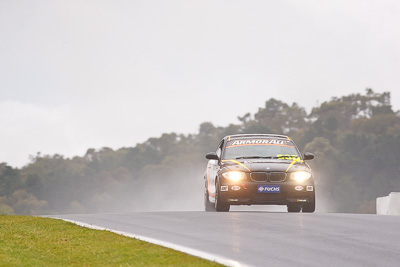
(259, 176)
(268, 176)
(277, 176)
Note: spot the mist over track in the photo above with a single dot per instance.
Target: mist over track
(267, 238)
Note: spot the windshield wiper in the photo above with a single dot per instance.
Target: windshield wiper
(256, 157)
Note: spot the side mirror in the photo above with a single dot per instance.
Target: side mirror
(308, 156)
(212, 155)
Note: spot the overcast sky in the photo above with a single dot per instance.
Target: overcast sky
(90, 73)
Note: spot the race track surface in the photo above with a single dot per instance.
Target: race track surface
(268, 238)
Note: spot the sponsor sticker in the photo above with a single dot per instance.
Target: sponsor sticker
(235, 188)
(258, 142)
(268, 188)
(299, 188)
(224, 188)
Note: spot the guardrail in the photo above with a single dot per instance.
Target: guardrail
(389, 205)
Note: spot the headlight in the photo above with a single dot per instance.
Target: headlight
(300, 176)
(234, 175)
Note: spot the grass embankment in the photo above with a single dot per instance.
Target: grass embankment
(36, 241)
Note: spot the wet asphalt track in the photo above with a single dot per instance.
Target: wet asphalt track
(268, 238)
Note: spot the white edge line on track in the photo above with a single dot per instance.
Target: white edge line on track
(193, 252)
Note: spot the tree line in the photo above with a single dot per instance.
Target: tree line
(355, 138)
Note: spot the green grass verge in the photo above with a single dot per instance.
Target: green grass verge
(36, 241)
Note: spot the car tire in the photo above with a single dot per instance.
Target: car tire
(208, 206)
(293, 207)
(219, 204)
(309, 206)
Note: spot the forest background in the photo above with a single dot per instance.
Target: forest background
(355, 139)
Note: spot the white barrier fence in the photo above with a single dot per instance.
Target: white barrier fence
(389, 205)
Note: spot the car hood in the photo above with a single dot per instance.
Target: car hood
(264, 166)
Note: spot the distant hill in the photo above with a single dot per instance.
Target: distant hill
(355, 138)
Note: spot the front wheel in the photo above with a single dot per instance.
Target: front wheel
(293, 207)
(219, 204)
(309, 207)
(208, 206)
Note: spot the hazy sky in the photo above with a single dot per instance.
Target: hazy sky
(90, 73)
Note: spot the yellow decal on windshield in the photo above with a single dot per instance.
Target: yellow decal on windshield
(289, 157)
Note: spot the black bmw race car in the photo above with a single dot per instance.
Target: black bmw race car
(258, 169)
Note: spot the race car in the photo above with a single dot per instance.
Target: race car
(258, 169)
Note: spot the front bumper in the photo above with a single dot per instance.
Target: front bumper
(248, 192)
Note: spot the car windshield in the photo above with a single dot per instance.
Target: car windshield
(261, 148)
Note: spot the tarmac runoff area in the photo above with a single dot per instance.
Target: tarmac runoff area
(258, 238)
